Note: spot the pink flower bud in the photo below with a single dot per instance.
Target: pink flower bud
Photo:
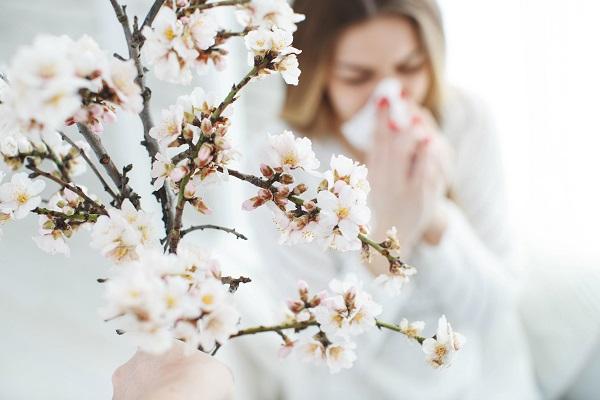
(286, 179)
(109, 116)
(204, 155)
(295, 306)
(265, 194)
(310, 205)
(283, 191)
(178, 173)
(299, 189)
(206, 126)
(266, 171)
(201, 207)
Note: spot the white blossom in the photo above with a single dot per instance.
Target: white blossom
(197, 262)
(119, 234)
(297, 230)
(276, 42)
(269, 14)
(51, 241)
(122, 81)
(163, 170)
(137, 289)
(211, 294)
(310, 351)
(169, 126)
(412, 329)
(289, 68)
(218, 326)
(440, 350)
(348, 311)
(289, 152)
(166, 50)
(343, 215)
(175, 45)
(20, 195)
(88, 59)
(392, 284)
(340, 356)
(203, 29)
(49, 78)
(344, 170)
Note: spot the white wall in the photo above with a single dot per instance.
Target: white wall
(536, 63)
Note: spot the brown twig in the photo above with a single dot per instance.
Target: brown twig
(91, 164)
(78, 216)
(72, 187)
(299, 326)
(217, 227)
(135, 41)
(175, 234)
(234, 283)
(152, 13)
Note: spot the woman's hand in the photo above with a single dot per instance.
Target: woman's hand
(173, 376)
(409, 171)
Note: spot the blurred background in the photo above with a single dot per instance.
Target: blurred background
(534, 62)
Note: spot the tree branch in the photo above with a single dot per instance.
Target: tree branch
(234, 283)
(135, 41)
(210, 226)
(78, 216)
(73, 188)
(152, 13)
(299, 326)
(395, 262)
(296, 326)
(396, 328)
(92, 166)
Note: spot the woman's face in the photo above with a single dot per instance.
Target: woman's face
(382, 47)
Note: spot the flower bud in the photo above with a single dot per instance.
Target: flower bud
(9, 147)
(286, 179)
(283, 191)
(49, 225)
(201, 206)
(299, 189)
(206, 126)
(204, 155)
(266, 171)
(265, 194)
(295, 306)
(324, 185)
(310, 206)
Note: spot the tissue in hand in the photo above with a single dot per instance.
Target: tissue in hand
(360, 129)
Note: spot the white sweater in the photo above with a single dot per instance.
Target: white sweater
(469, 277)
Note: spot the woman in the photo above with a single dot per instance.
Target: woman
(438, 181)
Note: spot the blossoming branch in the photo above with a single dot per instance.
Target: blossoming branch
(162, 286)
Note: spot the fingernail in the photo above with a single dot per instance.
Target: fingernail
(383, 103)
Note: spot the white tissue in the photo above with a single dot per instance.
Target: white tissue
(360, 129)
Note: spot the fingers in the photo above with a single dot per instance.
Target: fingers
(419, 160)
(378, 156)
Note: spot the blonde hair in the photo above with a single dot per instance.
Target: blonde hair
(307, 108)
